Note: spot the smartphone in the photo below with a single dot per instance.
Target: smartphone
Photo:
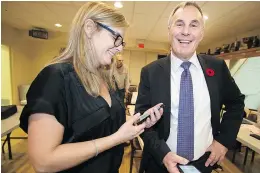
(146, 115)
(188, 169)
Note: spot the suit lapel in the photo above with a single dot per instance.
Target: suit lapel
(165, 93)
(212, 85)
(209, 80)
(166, 80)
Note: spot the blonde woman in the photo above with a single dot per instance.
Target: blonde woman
(74, 119)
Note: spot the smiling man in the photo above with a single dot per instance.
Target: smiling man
(193, 88)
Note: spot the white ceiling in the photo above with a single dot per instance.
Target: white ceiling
(148, 20)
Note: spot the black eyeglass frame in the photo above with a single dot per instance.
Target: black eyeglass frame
(114, 33)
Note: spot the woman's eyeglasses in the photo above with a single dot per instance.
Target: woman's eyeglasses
(118, 38)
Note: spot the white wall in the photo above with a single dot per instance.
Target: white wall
(20, 54)
(6, 88)
(28, 55)
(248, 81)
(135, 60)
(138, 60)
(147, 45)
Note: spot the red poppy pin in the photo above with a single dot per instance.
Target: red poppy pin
(210, 72)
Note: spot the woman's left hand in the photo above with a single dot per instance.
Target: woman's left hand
(155, 115)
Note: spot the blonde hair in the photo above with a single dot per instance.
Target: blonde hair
(183, 5)
(80, 50)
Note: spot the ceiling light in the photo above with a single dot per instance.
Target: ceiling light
(118, 4)
(58, 25)
(205, 17)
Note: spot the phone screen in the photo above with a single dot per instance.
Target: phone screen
(189, 169)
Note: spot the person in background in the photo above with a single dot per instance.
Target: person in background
(121, 75)
(74, 120)
(193, 88)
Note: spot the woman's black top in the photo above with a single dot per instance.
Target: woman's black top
(58, 91)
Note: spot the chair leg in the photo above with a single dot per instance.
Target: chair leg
(3, 146)
(246, 155)
(9, 146)
(253, 157)
(234, 156)
(239, 146)
(132, 156)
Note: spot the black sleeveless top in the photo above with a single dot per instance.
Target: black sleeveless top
(58, 91)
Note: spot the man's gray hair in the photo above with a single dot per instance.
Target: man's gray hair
(183, 5)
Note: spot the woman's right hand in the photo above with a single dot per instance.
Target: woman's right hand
(128, 130)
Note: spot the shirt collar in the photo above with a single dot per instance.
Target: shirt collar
(176, 62)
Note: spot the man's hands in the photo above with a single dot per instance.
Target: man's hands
(171, 160)
(218, 152)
